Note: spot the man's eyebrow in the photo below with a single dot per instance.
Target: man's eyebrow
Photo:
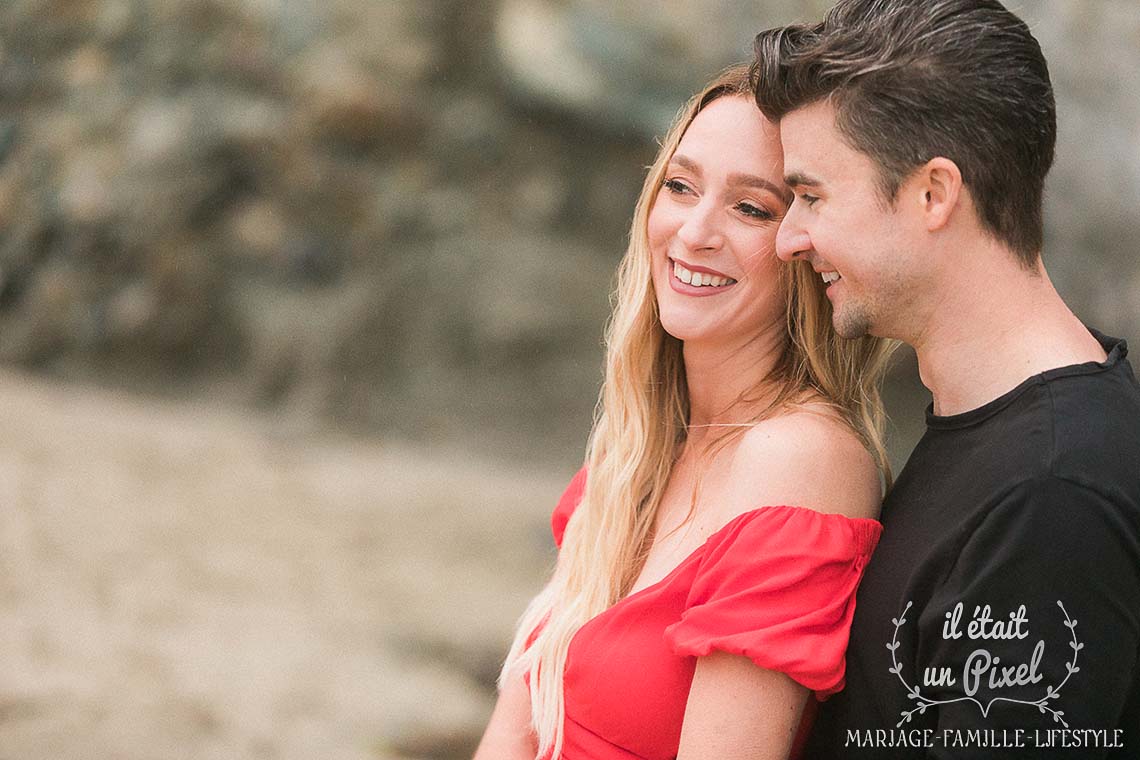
(799, 179)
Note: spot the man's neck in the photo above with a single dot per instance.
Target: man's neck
(982, 342)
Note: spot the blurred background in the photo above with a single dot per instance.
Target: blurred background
(300, 317)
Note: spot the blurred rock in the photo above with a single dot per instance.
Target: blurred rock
(86, 193)
(400, 40)
(49, 320)
(131, 309)
(538, 201)
(115, 20)
(468, 130)
(1094, 188)
(259, 229)
(442, 190)
(159, 128)
(472, 330)
(8, 134)
(629, 65)
(344, 104)
(87, 67)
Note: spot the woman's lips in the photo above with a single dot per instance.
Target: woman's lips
(693, 280)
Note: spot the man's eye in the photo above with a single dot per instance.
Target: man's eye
(676, 186)
(752, 211)
(808, 199)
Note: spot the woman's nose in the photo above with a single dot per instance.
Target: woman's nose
(702, 228)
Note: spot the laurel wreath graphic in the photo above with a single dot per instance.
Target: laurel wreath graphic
(922, 702)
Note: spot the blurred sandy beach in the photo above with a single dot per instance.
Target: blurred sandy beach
(183, 580)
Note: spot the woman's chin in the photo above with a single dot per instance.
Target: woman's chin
(719, 334)
(686, 330)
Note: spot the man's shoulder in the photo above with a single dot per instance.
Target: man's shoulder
(1080, 423)
(1108, 389)
(1095, 422)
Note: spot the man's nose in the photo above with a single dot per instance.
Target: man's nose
(792, 240)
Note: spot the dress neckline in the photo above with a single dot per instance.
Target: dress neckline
(748, 513)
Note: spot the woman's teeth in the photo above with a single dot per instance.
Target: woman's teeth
(829, 277)
(699, 279)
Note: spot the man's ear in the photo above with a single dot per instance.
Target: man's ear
(939, 185)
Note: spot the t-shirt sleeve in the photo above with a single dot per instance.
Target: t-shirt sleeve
(778, 586)
(1050, 583)
(566, 506)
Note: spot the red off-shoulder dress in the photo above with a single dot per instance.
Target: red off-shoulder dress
(776, 584)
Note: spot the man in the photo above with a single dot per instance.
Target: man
(1000, 615)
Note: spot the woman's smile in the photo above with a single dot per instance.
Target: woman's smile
(693, 280)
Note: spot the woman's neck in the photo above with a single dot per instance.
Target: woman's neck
(728, 384)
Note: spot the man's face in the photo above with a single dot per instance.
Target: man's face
(840, 223)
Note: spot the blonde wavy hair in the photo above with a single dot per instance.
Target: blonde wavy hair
(640, 425)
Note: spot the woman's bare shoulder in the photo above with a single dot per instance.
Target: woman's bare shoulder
(808, 456)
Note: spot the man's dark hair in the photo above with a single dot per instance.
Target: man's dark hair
(911, 80)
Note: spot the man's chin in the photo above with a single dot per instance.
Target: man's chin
(851, 324)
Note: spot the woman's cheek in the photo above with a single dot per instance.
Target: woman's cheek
(657, 229)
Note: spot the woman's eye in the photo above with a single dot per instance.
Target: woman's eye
(808, 199)
(676, 186)
(753, 211)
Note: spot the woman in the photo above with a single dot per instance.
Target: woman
(711, 546)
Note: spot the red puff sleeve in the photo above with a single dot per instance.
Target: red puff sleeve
(567, 503)
(566, 506)
(777, 585)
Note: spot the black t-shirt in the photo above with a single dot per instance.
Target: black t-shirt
(1000, 614)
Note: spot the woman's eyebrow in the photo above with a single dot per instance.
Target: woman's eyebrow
(751, 180)
(742, 179)
(686, 162)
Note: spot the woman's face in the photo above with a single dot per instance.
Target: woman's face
(712, 228)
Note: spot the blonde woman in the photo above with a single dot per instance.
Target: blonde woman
(711, 546)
